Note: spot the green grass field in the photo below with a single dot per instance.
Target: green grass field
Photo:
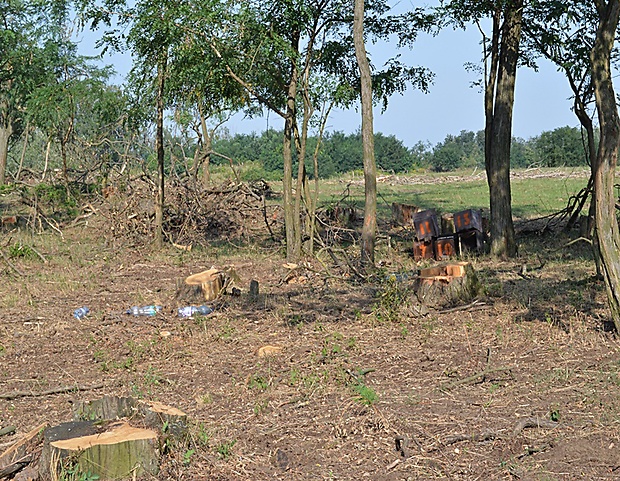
(535, 193)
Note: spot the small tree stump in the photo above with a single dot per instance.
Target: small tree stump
(403, 213)
(197, 288)
(110, 450)
(447, 285)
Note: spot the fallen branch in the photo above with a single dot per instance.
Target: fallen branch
(574, 241)
(10, 264)
(470, 437)
(481, 374)
(487, 435)
(11, 469)
(466, 307)
(7, 430)
(59, 390)
(534, 423)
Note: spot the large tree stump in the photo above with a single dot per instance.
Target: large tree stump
(110, 450)
(447, 285)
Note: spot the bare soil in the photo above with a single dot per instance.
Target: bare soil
(524, 384)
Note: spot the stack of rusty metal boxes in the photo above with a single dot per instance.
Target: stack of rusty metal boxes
(469, 229)
(426, 231)
(465, 235)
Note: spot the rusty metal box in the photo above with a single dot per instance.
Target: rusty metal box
(425, 224)
(472, 241)
(423, 250)
(467, 220)
(445, 247)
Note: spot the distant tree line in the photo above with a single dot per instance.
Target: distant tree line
(342, 152)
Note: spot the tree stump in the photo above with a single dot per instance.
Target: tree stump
(403, 213)
(197, 288)
(110, 450)
(447, 285)
(165, 419)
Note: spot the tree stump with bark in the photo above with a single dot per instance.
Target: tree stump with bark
(113, 438)
(447, 285)
(201, 287)
(109, 449)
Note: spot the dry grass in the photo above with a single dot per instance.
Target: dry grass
(358, 367)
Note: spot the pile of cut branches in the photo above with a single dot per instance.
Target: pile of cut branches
(193, 215)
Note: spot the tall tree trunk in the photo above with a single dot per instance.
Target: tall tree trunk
(370, 167)
(5, 134)
(159, 147)
(291, 224)
(499, 130)
(607, 156)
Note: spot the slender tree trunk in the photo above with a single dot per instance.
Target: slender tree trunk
(497, 156)
(370, 167)
(159, 147)
(206, 149)
(47, 158)
(24, 147)
(607, 156)
(5, 134)
(291, 224)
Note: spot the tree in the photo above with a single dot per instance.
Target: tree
(25, 28)
(501, 55)
(370, 168)
(607, 156)
(286, 46)
(563, 32)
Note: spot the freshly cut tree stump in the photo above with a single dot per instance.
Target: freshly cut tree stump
(110, 450)
(447, 285)
(204, 286)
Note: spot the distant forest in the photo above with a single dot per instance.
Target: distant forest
(342, 152)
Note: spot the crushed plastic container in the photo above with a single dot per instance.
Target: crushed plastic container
(143, 310)
(81, 312)
(189, 311)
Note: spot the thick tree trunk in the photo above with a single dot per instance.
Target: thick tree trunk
(291, 224)
(159, 147)
(607, 156)
(5, 135)
(499, 133)
(370, 168)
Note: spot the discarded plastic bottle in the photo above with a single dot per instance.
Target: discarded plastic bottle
(81, 312)
(143, 310)
(191, 310)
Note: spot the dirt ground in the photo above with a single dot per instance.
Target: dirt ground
(523, 384)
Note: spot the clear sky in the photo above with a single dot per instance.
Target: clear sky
(542, 99)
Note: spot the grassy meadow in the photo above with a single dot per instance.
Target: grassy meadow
(535, 192)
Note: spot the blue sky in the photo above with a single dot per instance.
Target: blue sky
(542, 99)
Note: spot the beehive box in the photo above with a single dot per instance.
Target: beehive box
(423, 250)
(467, 220)
(445, 247)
